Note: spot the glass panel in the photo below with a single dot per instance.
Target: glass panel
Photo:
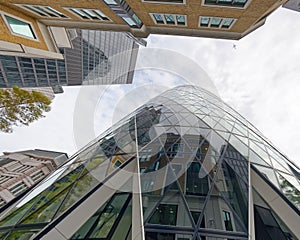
(169, 19)
(196, 185)
(129, 21)
(86, 228)
(196, 217)
(238, 145)
(235, 188)
(21, 234)
(20, 27)
(215, 22)
(17, 213)
(158, 18)
(168, 208)
(79, 13)
(227, 23)
(269, 174)
(227, 221)
(81, 187)
(45, 212)
(109, 216)
(180, 20)
(260, 150)
(269, 217)
(292, 193)
(123, 228)
(254, 158)
(165, 214)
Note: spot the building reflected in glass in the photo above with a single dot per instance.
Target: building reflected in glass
(184, 166)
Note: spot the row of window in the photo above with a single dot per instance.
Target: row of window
(27, 72)
(96, 14)
(218, 3)
(204, 21)
(22, 28)
(49, 12)
(166, 214)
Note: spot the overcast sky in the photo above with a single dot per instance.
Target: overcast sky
(259, 76)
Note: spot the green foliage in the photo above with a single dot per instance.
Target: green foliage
(20, 107)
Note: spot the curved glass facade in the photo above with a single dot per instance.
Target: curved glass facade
(178, 168)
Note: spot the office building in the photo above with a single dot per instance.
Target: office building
(183, 166)
(96, 57)
(37, 28)
(19, 171)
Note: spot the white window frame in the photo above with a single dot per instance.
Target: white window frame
(222, 6)
(165, 22)
(42, 6)
(162, 2)
(221, 23)
(69, 9)
(3, 14)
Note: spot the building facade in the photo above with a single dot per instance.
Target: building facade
(185, 166)
(96, 57)
(19, 171)
(293, 5)
(36, 27)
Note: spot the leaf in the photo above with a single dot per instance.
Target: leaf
(20, 107)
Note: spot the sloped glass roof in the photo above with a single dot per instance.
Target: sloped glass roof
(193, 153)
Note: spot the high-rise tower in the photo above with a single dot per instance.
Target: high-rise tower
(96, 58)
(184, 166)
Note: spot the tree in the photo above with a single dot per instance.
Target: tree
(20, 107)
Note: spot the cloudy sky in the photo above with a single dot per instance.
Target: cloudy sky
(259, 76)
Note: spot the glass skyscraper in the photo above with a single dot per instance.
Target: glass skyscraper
(185, 166)
(97, 57)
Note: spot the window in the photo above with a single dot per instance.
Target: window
(194, 184)
(227, 221)
(89, 14)
(124, 11)
(20, 27)
(22, 168)
(216, 22)
(117, 164)
(37, 176)
(42, 11)
(196, 215)
(165, 214)
(176, 150)
(17, 188)
(4, 179)
(145, 155)
(226, 3)
(169, 19)
(2, 202)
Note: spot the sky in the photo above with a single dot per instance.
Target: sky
(259, 76)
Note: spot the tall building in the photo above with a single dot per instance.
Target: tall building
(96, 57)
(293, 5)
(184, 166)
(36, 27)
(19, 171)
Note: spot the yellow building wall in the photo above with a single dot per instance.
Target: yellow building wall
(6, 35)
